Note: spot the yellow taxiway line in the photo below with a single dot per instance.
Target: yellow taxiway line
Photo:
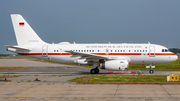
(141, 72)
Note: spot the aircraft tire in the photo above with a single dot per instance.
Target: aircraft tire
(151, 71)
(97, 70)
(93, 71)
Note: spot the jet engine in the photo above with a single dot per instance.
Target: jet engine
(115, 65)
(81, 61)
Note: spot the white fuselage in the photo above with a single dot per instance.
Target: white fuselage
(137, 53)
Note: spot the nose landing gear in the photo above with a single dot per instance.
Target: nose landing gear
(151, 71)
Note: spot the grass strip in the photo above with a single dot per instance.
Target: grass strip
(123, 79)
(174, 66)
(8, 76)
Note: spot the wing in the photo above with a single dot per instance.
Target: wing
(88, 56)
(96, 58)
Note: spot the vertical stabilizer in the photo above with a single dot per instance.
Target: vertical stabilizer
(24, 33)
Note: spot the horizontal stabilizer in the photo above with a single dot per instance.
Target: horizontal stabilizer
(19, 48)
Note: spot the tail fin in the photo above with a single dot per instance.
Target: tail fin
(24, 33)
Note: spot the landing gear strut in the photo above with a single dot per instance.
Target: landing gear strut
(151, 71)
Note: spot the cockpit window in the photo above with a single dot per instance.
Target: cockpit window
(165, 50)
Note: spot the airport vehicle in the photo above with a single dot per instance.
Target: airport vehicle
(116, 57)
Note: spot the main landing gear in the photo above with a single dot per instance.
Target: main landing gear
(95, 71)
(151, 71)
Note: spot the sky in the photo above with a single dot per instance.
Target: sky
(95, 21)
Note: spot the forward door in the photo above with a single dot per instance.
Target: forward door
(151, 51)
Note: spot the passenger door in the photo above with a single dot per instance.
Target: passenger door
(151, 51)
(45, 51)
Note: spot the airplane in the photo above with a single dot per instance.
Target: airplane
(114, 57)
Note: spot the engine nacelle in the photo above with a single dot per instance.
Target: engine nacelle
(81, 61)
(115, 65)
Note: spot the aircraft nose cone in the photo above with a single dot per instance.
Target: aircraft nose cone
(175, 58)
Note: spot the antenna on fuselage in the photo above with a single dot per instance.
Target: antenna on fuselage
(149, 42)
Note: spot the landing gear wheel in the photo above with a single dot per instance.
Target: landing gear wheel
(93, 71)
(151, 71)
(97, 70)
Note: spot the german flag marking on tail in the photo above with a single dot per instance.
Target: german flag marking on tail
(21, 24)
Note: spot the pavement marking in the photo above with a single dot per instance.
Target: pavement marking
(141, 72)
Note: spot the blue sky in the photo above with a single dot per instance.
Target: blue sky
(95, 21)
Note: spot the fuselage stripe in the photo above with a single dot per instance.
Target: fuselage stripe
(101, 54)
